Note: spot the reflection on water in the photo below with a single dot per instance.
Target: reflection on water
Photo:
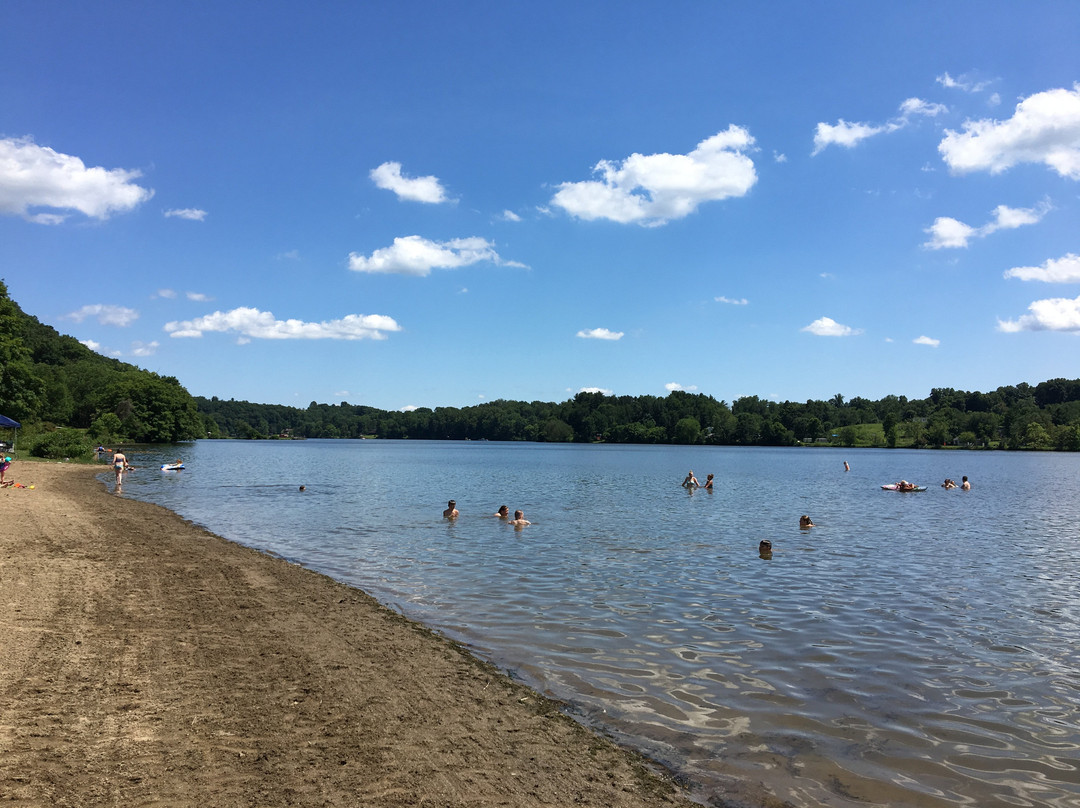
(911, 649)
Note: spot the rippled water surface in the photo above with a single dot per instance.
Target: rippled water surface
(911, 650)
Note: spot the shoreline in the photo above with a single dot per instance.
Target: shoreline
(149, 660)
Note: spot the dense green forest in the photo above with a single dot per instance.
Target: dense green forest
(1046, 416)
(67, 396)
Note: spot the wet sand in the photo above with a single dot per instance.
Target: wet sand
(144, 660)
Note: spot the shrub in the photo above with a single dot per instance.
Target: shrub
(61, 444)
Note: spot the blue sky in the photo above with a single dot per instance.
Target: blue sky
(435, 204)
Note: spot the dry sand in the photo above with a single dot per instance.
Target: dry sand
(145, 661)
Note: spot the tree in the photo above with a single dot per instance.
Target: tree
(687, 430)
(21, 389)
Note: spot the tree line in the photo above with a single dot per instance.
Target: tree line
(68, 396)
(1044, 416)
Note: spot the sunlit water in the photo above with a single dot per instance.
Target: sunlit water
(911, 650)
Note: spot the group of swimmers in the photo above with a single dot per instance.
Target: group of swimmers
(519, 519)
(950, 484)
(692, 483)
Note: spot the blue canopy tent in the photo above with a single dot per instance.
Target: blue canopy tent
(9, 423)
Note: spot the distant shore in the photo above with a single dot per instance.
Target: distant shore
(146, 660)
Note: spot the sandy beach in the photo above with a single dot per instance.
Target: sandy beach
(148, 661)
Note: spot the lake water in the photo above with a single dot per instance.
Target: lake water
(910, 650)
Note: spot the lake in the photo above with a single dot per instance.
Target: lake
(912, 649)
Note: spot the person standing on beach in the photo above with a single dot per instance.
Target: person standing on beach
(120, 465)
(451, 511)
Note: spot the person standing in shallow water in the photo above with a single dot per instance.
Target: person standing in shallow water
(965, 485)
(120, 465)
(503, 512)
(451, 511)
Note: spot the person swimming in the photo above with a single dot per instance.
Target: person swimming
(805, 522)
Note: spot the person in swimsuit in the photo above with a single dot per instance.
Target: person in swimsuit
(451, 511)
(120, 465)
(965, 485)
(519, 519)
(708, 483)
(690, 481)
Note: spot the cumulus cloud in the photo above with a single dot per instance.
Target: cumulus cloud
(409, 408)
(948, 232)
(428, 189)
(1053, 314)
(509, 216)
(144, 348)
(198, 297)
(652, 189)
(600, 333)
(848, 134)
(602, 390)
(1044, 128)
(414, 255)
(933, 343)
(251, 323)
(33, 177)
(93, 346)
(828, 327)
(191, 214)
(105, 314)
(671, 387)
(1054, 270)
(740, 301)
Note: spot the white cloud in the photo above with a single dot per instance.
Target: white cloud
(198, 297)
(191, 214)
(949, 232)
(603, 390)
(741, 301)
(916, 106)
(933, 343)
(1045, 128)
(1054, 270)
(428, 189)
(414, 255)
(1053, 314)
(254, 324)
(964, 82)
(671, 387)
(656, 188)
(33, 176)
(93, 346)
(778, 157)
(409, 408)
(509, 216)
(843, 134)
(828, 327)
(600, 333)
(168, 294)
(105, 314)
(144, 348)
(847, 134)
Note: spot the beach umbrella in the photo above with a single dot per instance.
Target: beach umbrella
(10, 423)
